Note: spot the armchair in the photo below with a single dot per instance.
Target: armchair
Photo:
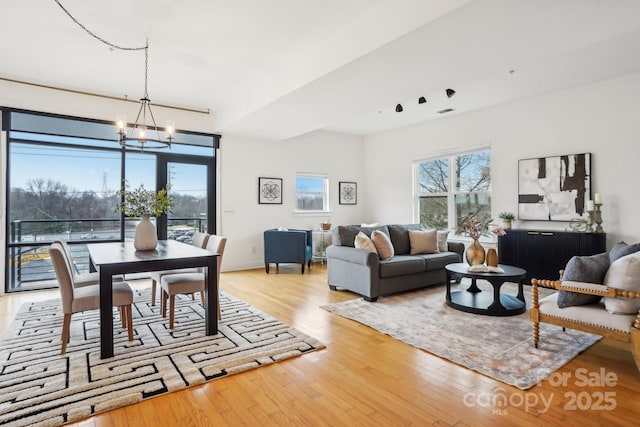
(593, 318)
(287, 246)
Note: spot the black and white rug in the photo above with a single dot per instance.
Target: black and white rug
(39, 386)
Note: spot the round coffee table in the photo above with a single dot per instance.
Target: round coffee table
(475, 300)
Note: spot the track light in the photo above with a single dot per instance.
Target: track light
(450, 93)
(422, 100)
(399, 108)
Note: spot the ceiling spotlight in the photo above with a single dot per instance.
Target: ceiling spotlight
(422, 100)
(399, 108)
(450, 93)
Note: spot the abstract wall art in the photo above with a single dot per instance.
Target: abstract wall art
(554, 188)
(348, 193)
(269, 191)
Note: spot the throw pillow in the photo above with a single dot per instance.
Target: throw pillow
(423, 241)
(442, 240)
(621, 249)
(624, 273)
(588, 269)
(383, 245)
(364, 242)
(375, 224)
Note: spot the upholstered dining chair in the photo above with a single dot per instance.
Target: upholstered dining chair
(199, 240)
(82, 279)
(189, 283)
(77, 299)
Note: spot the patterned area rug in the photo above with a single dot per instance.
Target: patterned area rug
(499, 347)
(41, 387)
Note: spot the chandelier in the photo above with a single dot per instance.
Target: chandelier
(144, 133)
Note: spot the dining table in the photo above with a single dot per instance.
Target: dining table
(113, 258)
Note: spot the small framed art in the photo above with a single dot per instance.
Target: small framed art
(348, 193)
(269, 191)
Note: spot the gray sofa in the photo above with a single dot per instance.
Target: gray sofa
(364, 273)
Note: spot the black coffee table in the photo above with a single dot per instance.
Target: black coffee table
(475, 300)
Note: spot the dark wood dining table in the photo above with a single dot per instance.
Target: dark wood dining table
(112, 258)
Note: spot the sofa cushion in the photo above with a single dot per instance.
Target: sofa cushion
(399, 235)
(402, 264)
(438, 260)
(442, 240)
(383, 244)
(621, 249)
(364, 242)
(423, 241)
(588, 269)
(624, 273)
(347, 233)
(593, 314)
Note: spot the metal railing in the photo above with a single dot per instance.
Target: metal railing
(28, 264)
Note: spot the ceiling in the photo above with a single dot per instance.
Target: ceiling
(276, 69)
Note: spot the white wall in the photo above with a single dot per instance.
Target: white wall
(244, 160)
(602, 119)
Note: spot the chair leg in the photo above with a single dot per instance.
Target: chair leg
(123, 316)
(66, 325)
(163, 301)
(536, 334)
(266, 267)
(128, 312)
(201, 297)
(153, 292)
(172, 305)
(303, 268)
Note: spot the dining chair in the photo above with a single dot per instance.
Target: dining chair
(199, 240)
(82, 279)
(77, 299)
(189, 283)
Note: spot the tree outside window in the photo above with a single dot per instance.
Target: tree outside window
(451, 187)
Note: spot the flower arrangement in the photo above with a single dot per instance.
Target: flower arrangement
(473, 227)
(138, 202)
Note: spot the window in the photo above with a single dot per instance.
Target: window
(61, 182)
(312, 193)
(450, 187)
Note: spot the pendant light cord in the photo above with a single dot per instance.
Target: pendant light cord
(97, 37)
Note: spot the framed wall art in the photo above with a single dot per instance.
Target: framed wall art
(269, 191)
(348, 192)
(554, 188)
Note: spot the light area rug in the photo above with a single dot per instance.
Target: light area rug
(40, 387)
(499, 347)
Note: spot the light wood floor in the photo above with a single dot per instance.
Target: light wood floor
(365, 378)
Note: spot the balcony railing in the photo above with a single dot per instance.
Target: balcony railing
(28, 264)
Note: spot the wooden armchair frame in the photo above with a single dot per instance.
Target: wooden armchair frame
(632, 337)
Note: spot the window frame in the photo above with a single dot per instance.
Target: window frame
(325, 195)
(453, 191)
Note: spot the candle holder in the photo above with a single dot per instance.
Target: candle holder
(589, 222)
(598, 213)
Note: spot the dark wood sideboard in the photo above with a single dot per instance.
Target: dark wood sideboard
(544, 253)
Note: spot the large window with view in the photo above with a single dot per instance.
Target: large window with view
(62, 183)
(451, 187)
(312, 193)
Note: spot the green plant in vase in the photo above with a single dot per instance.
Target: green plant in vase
(507, 218)
(143, 204)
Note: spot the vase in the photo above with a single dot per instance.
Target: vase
(475, 253)
(506, 224)
(145, 238)
(492, 258)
